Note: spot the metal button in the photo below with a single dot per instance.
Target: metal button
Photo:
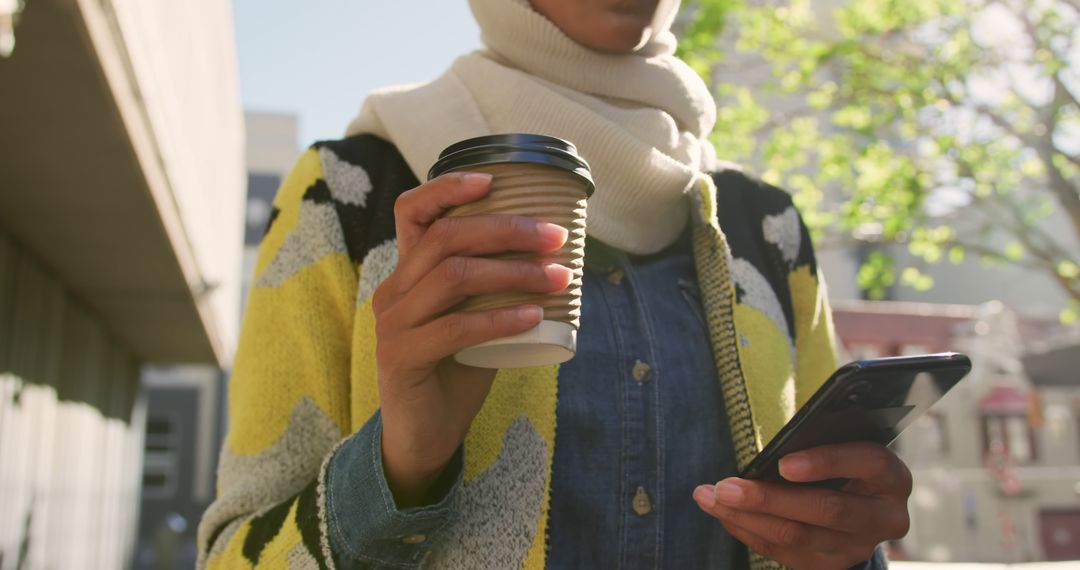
(413, 538)
(642, 504)
(642, 372)
(616, 276)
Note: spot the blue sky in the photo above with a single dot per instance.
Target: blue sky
(320, 58)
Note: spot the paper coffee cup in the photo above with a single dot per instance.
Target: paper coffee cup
(545, 179)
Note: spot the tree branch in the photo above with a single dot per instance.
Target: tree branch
(1071, 287)
(1075, 4)
(1004, 124)
(1010, 220)
(1050, 258)
(994, 117)
(1060, 186)
(1071, 158)
(1062, 189)
(1062, 94)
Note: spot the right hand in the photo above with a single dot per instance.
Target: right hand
(428, 400)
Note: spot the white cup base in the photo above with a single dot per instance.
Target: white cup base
(550, 342)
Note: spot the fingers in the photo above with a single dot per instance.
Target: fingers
(420, 349)
(875, 468)
(418, 208)
(795, 557)
(838, 511)
(475, 236)
(787, 540)
(457, 278)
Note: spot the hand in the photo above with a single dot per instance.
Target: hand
(428, 400)
(811, 527)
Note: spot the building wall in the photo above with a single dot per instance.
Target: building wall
(71, 421)
(183, 437)
(183, 57)
(965, 507)
(121, 227)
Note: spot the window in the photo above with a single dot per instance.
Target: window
(1011, 434)
(913, 349)
(926, 437)
(260, 200)
(932, 427)
(864, 350)
(161, 456)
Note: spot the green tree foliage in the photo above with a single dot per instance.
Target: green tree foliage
(951, 127)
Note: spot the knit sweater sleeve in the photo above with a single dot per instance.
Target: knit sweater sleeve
(293, 490)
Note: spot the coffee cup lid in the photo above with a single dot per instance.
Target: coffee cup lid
(513, 148)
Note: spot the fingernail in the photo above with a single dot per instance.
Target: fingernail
(477, 178)
(530, 314)
(552, 232)
(705, 495)
(729, 492)
(795, 465)
(559, 274)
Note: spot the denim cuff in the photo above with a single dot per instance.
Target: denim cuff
(876, 562)
(365, 527)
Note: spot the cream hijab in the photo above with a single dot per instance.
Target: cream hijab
(641, 119)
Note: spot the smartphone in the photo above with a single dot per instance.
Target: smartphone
(866, 400)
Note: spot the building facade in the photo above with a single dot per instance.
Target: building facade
(997, 461)
(121, 196)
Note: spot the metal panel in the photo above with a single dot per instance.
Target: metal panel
(28, 403)
(41, 441)
(70, 433)
(8, 266)
(7, 307)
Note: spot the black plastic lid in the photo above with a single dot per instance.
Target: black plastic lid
(510, 148)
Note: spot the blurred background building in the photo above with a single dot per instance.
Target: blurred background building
(997, 461)
(186, 405)
(121, 216)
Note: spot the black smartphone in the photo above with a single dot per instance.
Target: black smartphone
(866, 400)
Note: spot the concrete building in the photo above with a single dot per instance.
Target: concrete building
(1052, 369)
(121, 196)
(186, 407)
(184, 426)
(997, 461)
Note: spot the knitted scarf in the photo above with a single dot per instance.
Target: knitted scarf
(640, 119)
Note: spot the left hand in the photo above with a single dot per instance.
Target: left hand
(811, 527)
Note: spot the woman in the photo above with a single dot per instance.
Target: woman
(704, 326)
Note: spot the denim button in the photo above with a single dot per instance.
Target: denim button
(413, 538)
(616, 276)
(642, 372)
(641, 503)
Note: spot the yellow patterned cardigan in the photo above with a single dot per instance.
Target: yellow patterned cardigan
(305, 375)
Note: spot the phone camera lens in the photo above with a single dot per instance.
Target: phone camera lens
(858, 390)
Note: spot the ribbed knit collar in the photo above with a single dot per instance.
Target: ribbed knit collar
(518, 36)
(640, 119)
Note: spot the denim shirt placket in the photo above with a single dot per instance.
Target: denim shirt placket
(641, 469)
